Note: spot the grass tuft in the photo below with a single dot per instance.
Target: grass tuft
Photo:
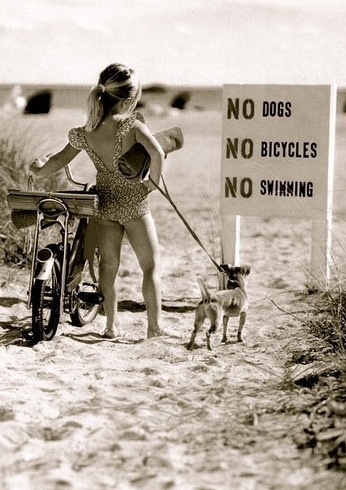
(328, 320)
(324, 376)
(17, 149)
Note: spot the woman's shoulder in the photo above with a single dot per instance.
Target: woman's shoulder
(139, 117)
(131, 121)
(76, 137)
(140, 123)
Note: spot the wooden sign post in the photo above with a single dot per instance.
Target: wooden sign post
(278, 161)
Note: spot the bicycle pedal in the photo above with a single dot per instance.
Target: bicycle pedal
(90, 297)
(27, 333)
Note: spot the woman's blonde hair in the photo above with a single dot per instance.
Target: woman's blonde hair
(116, 82)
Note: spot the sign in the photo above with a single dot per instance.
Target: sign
(277, 150)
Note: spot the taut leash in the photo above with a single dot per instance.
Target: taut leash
(167, 195)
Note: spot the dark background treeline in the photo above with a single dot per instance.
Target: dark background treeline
(75, 96)
(200, 98)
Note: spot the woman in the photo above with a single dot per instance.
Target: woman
(113, 126)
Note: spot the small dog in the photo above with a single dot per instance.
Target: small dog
(220, 306)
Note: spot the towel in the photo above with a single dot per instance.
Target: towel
(135, 163)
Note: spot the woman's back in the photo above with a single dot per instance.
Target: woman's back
(108, 142)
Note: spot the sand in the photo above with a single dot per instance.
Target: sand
(85, 413)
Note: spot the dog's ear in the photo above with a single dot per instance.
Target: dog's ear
(226, 267)
(245, 269)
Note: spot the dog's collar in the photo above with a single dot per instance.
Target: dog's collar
(231, 284)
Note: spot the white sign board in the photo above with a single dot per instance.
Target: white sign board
(277, 150)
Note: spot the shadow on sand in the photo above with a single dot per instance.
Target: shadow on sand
(17, 329)
(175, 306)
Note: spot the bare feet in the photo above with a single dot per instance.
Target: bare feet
(111, 333)
(155, 332)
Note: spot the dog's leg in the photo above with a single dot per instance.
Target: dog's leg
(208, 340)
(192, 338)
(215, 323)
(209, 333)
(199, 320)
(224, 331)
(242, 320)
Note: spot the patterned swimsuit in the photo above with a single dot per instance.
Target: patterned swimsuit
(120, 200)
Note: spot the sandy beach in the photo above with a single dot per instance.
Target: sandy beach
(85, 413)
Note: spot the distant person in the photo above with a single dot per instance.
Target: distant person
(113, 126)
(17, 101)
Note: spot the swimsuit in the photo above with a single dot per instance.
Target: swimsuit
(120, 200)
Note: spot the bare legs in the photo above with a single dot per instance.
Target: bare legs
(143, 239)
(109, 236)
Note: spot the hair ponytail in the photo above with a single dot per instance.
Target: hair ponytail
(95, 109)
(116, 82)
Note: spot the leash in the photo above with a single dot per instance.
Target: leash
(167, 195)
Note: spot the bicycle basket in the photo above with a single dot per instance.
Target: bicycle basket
(23, 204)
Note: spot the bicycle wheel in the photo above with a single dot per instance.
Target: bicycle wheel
(45, 305)
(86, 296)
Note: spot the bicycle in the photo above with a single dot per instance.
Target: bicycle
(63, 275)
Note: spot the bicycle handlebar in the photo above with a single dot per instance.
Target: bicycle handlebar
(70, 177)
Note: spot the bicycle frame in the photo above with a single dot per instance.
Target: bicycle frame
(42, 267)
(63, 274)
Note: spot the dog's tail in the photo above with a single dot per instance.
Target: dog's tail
(206, 298)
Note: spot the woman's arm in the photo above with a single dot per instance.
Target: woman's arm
(156, 153)
(54, 162)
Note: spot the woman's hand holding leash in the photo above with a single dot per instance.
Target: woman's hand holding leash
(37, 164)
(150, 185)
